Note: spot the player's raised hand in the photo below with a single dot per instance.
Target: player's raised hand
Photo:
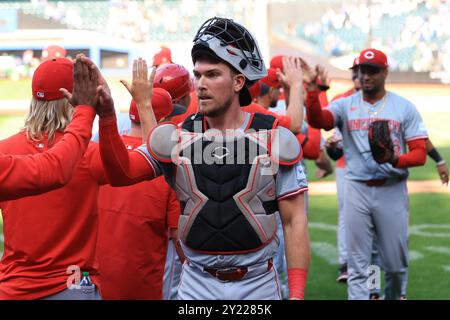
(322, 74)
(105, 107)
(85, 83)
(292, 74)
(309, 74)
(104, 103)
(141, 88)
(101, 80)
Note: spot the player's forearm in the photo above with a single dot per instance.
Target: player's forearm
(317, 117)
(148, 120)
(297, 254)
(297, 242)
(295, 229)
(417, 155)
(295, 108)
(116, 159)
(35, 174)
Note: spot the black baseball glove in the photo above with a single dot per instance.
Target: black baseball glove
(380, 141)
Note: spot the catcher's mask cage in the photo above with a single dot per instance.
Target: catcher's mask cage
(227, 40)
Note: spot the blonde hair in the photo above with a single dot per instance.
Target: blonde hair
(47, 117)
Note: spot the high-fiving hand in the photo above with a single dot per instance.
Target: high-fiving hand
(141, 88)
(85, 83)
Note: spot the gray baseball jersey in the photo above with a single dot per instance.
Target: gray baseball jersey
(353, 116)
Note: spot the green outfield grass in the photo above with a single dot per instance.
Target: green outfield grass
(430, 266)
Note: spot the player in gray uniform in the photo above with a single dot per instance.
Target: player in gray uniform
(227, 227)
(376, 201)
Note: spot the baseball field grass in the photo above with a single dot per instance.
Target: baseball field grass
(429, 270)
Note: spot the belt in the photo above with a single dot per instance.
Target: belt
(382, 182)
(233, 273)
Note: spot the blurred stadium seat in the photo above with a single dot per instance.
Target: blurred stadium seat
(414, 33)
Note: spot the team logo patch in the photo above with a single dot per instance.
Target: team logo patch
(220, 152)
(40, 94)
(369, 55)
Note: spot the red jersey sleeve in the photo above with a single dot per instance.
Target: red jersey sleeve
(417, 155)
(173, 210)
(122, 168)
(35, 174)
(95, 163)
(318, 117)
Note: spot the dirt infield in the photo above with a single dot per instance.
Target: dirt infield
(427, 186)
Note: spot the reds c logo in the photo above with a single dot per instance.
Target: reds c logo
(369, 55)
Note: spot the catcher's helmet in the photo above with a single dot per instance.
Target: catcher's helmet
(173, 78)
(230, 42)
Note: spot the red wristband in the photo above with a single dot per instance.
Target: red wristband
(297, 282)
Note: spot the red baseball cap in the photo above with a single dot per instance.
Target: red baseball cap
(50, 76)
(163, 56)
(277, 62)
(162, 106)
(372, 57)
(271, 79)
(355, 63)
(53, 52)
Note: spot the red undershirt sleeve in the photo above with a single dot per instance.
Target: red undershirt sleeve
(122, 168)
(417, 155)
(317, 117)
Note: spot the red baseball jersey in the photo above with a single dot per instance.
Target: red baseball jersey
(133, 235)
(47, 234)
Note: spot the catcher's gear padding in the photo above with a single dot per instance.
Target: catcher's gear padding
(380, 141)
(227, 206)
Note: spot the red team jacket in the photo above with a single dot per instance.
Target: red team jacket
(48, 233)
(132, 241)
(22, 176)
